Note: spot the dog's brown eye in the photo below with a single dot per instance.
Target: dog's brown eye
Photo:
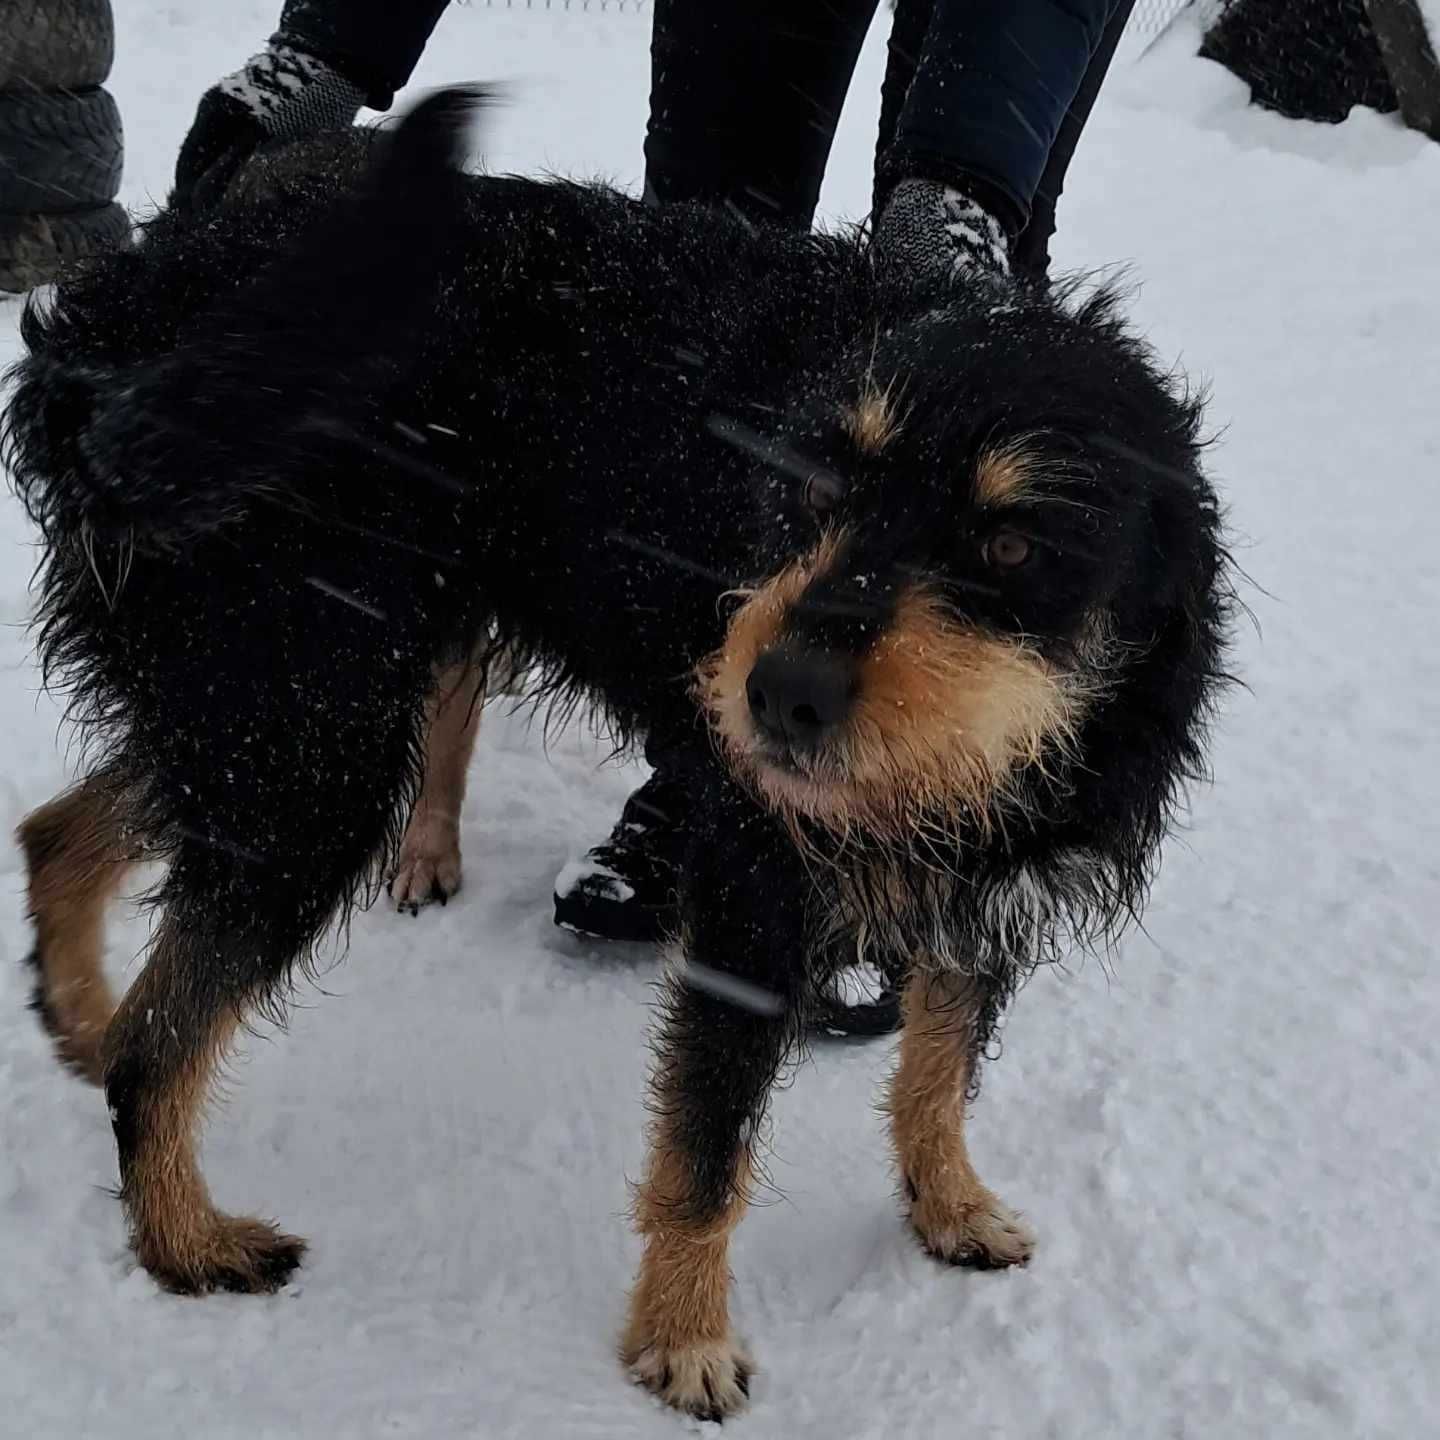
(1007, 550)
(823, 492)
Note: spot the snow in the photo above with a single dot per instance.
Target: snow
(1226, 1137)
(575, 872)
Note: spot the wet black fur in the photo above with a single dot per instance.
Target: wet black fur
(288, 457)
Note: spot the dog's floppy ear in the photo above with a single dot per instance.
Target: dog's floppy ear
(1146, 739)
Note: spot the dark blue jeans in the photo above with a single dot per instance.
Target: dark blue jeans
(988, 95)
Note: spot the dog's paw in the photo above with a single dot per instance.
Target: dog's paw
(709, 1380)
(231, 1253)
(979, 1233)
(429, 864)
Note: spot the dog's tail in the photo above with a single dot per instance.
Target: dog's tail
(156, 454)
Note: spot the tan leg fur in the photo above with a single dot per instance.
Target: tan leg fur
(78, 851)
(956, 1217)
(429, 864)
(176, 1231)
(678, 1341)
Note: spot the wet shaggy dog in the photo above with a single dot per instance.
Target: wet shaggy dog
(930, 589)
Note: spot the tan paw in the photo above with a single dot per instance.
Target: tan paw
(429, 865)
(709, 1380)
(230, 1252)
(980, 1233)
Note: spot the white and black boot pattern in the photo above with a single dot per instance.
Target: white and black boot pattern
(291, 93)
(930, 233)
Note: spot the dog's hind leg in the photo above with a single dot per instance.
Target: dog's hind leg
(233, 925)
(731, 1019)
(285, 785)
(78, 849)
(162, 1049)
(956, 1217)
(244, 898)
(429, 864)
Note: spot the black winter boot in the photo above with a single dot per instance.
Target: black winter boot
(624, 889)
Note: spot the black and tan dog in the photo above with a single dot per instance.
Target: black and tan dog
(935, 587)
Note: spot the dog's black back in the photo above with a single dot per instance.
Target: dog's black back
(317, 360)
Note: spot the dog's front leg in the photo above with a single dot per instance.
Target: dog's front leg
(957, 1217)
(729, 1022)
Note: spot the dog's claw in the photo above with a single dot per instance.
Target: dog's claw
(428, 868)
(239, 1255)
(710, 1380)
(988, 1236)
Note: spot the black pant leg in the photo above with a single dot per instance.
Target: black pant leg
(1032, 250)
(908, 28)
(744, 100)
(375, 43)
(990, 84)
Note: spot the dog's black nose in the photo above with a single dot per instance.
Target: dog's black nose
(800, 696)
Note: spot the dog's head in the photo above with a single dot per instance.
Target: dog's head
(995, 592)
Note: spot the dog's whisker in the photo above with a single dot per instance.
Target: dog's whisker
(87, 541)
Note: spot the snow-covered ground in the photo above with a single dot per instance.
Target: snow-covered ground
(1229, 1144)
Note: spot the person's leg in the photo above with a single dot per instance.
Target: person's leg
(978, 98)
(991, 86)
(908, 29)
(375, 43)
(1031, 256)
(744, 101)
